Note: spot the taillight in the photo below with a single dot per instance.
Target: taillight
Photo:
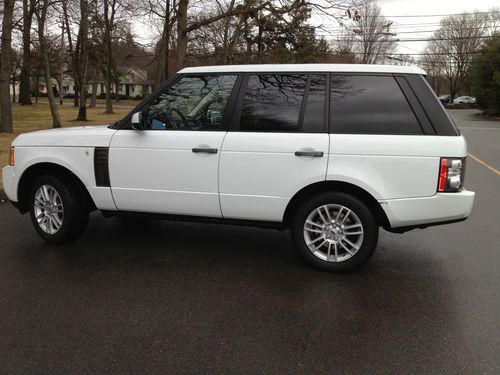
(11, 156)
(451, 174)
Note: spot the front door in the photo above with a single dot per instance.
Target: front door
(171, 166)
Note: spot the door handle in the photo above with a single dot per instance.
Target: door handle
(202, 150)
(314, 154)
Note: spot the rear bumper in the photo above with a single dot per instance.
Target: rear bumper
(9, 180)
(441, 208)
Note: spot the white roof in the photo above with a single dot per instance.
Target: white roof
(349, 68)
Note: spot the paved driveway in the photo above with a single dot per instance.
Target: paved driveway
(162, 297)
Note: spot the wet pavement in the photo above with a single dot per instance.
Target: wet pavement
(149, 296)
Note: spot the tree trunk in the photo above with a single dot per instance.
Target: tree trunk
(25, 82)
(37, 83)
(117, 90)
(182, 34)
(82, 109)
(42, 16)
(76, 102)
(163, 54)
(5, 56)
(160, 72)
(260, 44)
(83, 58)
(167, 41)
(72, 51)
(109, 19)
(14, 86)
(59, 90)
(61, 67)
(93, 98)
(109, 104)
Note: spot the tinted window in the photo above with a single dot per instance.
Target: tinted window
(370, 105)
(314, 113)
(191, 103)
(272, 102)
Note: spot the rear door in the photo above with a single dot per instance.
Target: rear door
(382, 140)
(279, 144)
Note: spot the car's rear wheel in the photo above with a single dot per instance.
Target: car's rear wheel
(58, 209)
(335, 231)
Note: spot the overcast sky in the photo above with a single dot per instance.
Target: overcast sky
(408, 27)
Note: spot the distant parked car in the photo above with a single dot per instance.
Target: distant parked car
(444, 99)
(464, 100)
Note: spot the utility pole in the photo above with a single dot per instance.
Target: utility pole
(61, 65)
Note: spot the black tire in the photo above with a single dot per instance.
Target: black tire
(74, 205)
(364, 215)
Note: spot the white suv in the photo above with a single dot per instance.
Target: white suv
(332, 152)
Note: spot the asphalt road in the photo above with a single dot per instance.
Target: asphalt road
(162, 297)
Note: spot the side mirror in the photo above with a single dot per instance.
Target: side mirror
(136, 121)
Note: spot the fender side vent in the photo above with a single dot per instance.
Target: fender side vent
(101, 169)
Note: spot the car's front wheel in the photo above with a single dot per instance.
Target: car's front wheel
(58, 209)
(335, 231)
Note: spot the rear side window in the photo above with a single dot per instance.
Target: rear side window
(284, 103)
(370, 105)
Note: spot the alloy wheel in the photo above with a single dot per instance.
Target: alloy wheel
(333, 232)
(48, 209)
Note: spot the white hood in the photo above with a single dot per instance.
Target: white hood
(77, 136)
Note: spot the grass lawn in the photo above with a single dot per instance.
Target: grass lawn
(37, 117)
(102, 102)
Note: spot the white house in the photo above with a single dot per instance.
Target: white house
(133, 82)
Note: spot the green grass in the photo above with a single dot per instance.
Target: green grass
(37, 116)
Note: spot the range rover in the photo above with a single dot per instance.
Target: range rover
(330, 152)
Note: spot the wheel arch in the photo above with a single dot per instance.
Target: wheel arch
(36, 170)
(338, 186)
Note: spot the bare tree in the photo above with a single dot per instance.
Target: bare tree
(78, 48)
(25, 80)
(228, 31)
(72, 49)
(5, 67)
(14, 74)
(110, 8)
(493, 21)
(344, 48)
(41, 14)
(453, 46)
(373, 35)
(253, 8)
(83, 60)
(164, 10)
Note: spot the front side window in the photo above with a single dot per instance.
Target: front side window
(275, 103)
(370, 105)
(191, 103)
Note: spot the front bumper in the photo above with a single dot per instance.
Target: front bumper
(10, 182)
(427, 211)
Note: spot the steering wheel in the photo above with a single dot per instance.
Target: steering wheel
(183, 118)
(165, 119)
